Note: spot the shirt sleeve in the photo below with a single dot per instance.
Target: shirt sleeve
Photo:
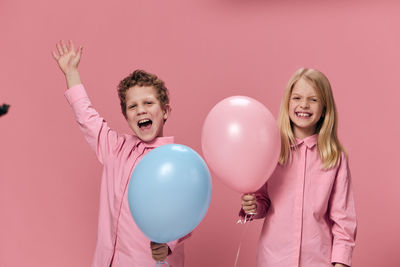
(100, 137)
(174, 243)
(343, 216)
(263, 203)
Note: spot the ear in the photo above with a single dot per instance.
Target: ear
(166, 111)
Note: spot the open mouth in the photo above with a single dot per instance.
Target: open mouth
(144, 124)
(303, 114)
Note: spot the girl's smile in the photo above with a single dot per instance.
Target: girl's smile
(304, 115)
(305, 109)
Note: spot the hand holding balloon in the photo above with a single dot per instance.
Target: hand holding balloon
(249, 203)
(159, 251)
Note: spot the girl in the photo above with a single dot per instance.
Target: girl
(311, 220)
(145, 105)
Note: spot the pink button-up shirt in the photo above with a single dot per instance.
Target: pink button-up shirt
(119, 240)
(311, 221)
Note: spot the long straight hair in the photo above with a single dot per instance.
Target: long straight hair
(328, 145)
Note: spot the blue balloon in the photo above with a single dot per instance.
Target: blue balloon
(169, 192)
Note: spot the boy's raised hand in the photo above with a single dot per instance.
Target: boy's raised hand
(67, 58)
(68, 61)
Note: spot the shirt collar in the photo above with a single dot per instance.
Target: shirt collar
(159, 141)
(309, 141)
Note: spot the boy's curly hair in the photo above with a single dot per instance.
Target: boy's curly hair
(142, 78)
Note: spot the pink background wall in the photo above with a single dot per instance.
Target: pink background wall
(205, 50)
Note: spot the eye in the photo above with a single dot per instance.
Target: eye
(132, 106)
(295, 98)
(314, 100)
(148, 102)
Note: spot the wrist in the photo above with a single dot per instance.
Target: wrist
(71, 73)
(73, 78)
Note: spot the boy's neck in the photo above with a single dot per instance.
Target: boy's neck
(158, 141)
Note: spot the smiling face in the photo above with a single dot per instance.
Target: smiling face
(305, 109)
(144, 113)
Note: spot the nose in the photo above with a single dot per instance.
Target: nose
(304, 104)
(141, 109)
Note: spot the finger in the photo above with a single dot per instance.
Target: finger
(71, 45)
(60, 51)
(248, 203)
(248, 208)
(80, 52)
(160, 252)
(156, 245)
(159, 258)
(248, 197)
(64, 47)
(160, 248)
(157, 248)
(55, 56)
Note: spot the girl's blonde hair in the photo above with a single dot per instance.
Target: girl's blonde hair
(328, 144)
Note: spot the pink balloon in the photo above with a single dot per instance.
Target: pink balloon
(241, 143)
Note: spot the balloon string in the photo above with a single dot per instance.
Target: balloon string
(247, 218)
(159, 263)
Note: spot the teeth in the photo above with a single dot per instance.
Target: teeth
(300, 114)
(143, 121)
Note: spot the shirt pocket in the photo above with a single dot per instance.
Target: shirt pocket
(319, 184)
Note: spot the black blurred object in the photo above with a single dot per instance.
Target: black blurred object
(4, 109)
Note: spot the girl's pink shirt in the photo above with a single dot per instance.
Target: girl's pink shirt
(312, 220)
(119, 240)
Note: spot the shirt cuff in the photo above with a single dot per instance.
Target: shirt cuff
(75, 93)
(173, 244)
(342, 254)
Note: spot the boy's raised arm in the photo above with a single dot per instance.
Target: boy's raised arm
(68, 61)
